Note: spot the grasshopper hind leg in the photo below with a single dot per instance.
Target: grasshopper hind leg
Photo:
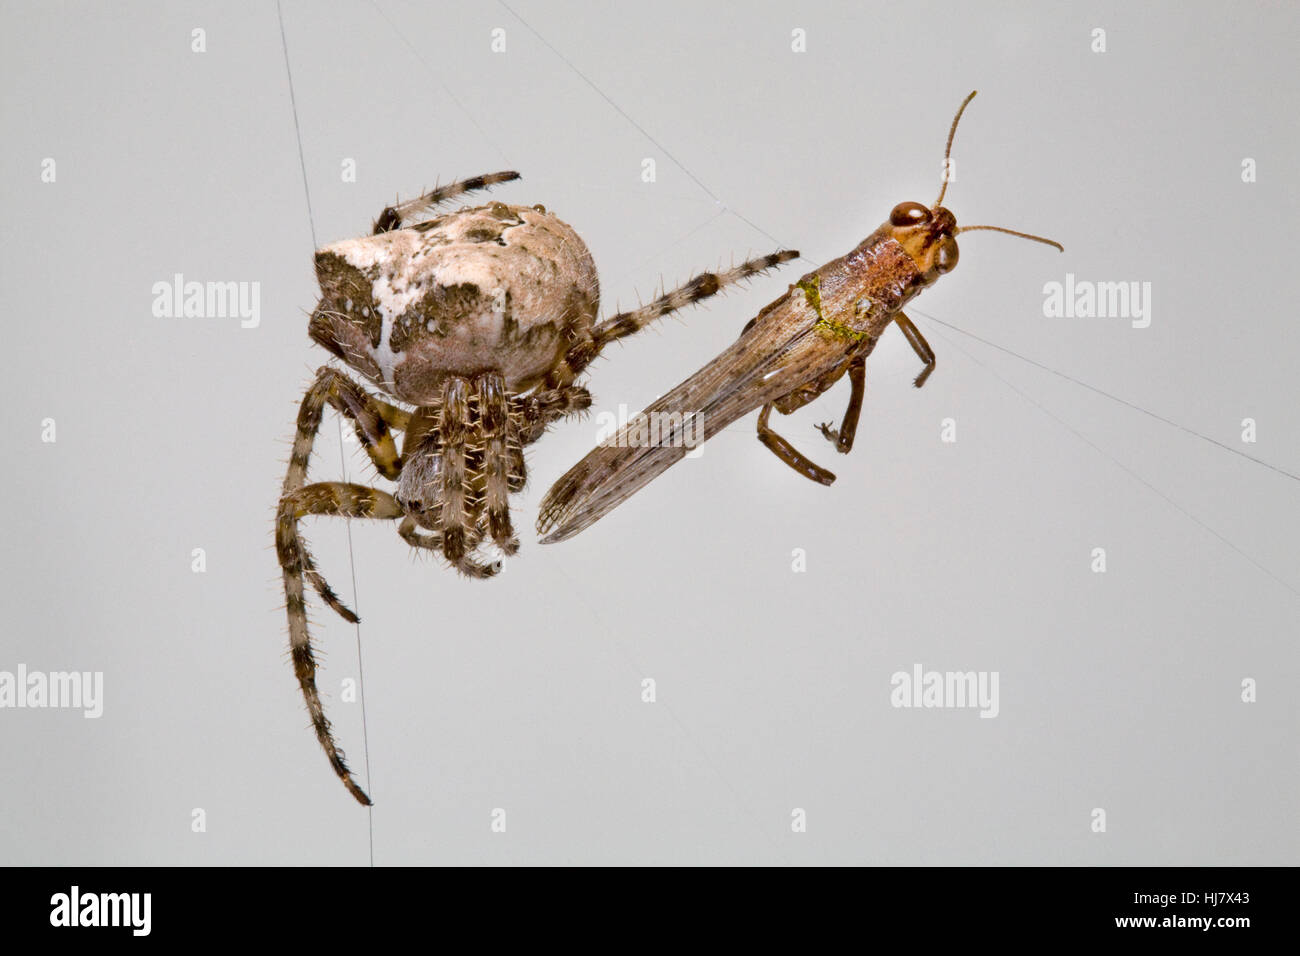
(788, 453)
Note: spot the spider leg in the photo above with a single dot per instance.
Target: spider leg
(393, 216)
(408, 530)
(430, 541)
(494, 418)
(516, 472)
(788, 453)
(371, 417)
(620, 326)
(458, 519)
(395, 418)
(540, 409)
(323, 498)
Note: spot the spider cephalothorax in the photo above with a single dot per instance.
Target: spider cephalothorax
(476, 324)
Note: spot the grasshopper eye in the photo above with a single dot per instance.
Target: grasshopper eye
(908, 214)
(946, 260)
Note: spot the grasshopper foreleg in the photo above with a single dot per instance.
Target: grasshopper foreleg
(919, 345)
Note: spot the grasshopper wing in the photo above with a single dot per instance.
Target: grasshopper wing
(765, 363)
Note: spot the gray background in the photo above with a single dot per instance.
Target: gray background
(1119, 690)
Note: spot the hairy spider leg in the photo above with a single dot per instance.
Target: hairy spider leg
(372, 419)
(494, 420)
(408, 530)
(623, 324)
(322, 498)
(458, 519)
(538, 410)
(394, 216)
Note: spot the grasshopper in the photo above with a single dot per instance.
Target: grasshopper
(826, 325)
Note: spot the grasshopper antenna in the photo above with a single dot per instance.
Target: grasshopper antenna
(943, 186)
(947, 151)
(1012, 232)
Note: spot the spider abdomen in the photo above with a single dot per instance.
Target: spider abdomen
(495, 287)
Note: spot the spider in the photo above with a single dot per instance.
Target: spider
(474, 325)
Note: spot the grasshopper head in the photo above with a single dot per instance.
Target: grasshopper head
(928, 236)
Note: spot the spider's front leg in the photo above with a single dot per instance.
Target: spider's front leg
(372, 419)
(498, 463)
(323, 498)
(458, 515)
